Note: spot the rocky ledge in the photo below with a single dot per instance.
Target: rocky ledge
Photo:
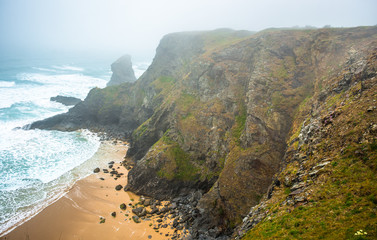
(68, 101)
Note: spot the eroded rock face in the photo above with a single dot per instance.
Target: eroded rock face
(327, 136)
(228, 117)
(122, 71)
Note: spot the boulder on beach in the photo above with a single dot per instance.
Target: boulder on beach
(140, 211)
(123, 206)
(136, 219)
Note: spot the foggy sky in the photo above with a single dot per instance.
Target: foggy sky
(136, 26)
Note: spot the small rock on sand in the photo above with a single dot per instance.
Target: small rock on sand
(123, 206)
(96, 170)
(136, 219)
(118, 187)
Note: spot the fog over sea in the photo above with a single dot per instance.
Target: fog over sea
(38, 166)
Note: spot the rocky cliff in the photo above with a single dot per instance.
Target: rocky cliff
(225, 114)
(327, 185)
(122, 71)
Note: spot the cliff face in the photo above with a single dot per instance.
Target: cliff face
(122, 71)
(228, 114)
(216, 112)
(327, 186)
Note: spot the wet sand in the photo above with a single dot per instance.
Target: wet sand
(78, 213)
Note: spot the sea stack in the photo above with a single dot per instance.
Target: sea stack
(122, 71)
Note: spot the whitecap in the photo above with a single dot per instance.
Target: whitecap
(62, 79)
(44, 69)
(69, 68)
(6, 84)
(75, 85)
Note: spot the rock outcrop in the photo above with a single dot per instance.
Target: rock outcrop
(220, 113)
(122, 71)
(326, 188)
(68, 101)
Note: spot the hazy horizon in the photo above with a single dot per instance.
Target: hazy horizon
(136, 27)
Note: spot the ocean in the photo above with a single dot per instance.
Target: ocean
(38, 166)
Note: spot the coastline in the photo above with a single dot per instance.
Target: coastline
(78, 213)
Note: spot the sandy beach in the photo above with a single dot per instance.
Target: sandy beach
(92, 200)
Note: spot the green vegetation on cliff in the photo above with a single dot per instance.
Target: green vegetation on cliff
(177, 163)
(342, 204)
(328, 189)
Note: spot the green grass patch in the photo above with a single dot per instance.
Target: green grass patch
(178, 164)
(240, 123)
(185, 103)
(342, 205)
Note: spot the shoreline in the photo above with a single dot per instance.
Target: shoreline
(79, 213)
(102, 149)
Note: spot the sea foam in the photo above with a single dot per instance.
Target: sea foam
(74, 85)
(6, 84)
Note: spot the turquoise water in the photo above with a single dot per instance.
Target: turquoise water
(37, 166)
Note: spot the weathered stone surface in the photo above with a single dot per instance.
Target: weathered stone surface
(140, 211)
(136, 219)
(122, 71)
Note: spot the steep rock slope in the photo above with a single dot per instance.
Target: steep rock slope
(216, 111)
(327, 187)
(229, 114)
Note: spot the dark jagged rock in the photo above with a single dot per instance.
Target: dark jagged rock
(140, 211)
(118, 187)
(68, 101)
(122, 71)
(136, 219)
